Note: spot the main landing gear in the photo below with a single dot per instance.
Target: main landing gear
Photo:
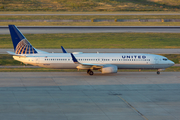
(90, 72)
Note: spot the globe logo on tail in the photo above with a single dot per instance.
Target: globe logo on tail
(24, 47)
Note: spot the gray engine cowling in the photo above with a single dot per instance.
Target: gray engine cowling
(109, 69)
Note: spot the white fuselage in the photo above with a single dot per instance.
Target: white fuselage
(121, 60)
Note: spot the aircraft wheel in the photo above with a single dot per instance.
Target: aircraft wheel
(91, 72)
(158, 72)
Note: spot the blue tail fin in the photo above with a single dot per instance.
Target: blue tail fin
(20, 43)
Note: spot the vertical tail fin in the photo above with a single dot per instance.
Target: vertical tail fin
(20, 43)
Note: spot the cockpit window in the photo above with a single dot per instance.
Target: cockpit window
(165, 59)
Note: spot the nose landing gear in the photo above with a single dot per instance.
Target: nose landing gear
(158, 72)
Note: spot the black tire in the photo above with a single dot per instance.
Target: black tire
(91, 72)
(158, 72)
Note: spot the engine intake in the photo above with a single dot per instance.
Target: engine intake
(109, 69)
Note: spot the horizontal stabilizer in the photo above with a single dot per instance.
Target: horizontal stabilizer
(12, 53)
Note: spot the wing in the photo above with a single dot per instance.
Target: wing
(86, 65)
(104, 68)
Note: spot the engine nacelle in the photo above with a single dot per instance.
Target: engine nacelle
(109, 69)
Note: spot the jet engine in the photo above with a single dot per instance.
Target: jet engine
(109, 69)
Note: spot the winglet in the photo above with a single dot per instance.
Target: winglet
(64, 51)
(74, 59)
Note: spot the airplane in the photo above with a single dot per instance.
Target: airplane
(104, 62)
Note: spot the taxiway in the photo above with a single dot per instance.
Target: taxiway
(92, 29)
(78, 96)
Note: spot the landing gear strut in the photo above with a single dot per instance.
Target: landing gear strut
(90, 72)
(158, 71)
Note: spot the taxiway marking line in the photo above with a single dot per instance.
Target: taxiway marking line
(133, 108)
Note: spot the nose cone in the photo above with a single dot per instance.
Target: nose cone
(171, 63)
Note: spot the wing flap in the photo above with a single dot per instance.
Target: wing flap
(89, 66)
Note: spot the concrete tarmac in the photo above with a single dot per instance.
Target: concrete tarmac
(78, 96)
(92, 29)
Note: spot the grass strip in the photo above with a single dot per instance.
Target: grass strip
(85, 12)
(89, 5)
(6, 59)
(99, 40)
